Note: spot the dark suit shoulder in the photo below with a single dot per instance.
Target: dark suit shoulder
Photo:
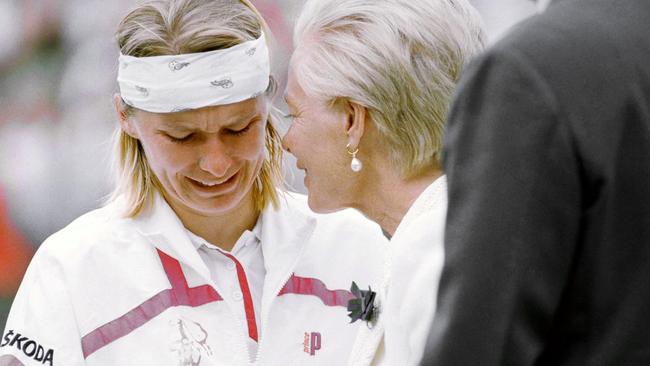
(584, 38)
(592, 58)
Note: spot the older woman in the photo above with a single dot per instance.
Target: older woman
(368, 90)
(199, 259)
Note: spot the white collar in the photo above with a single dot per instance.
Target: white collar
(165, 231)
(247, 237)
(283, 233)
(432, 196)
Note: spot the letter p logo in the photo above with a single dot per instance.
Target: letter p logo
(314, 343)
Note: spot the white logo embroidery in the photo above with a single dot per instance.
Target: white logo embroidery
(192, 344)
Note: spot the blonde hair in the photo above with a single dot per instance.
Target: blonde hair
(401, 59)
(170, 27)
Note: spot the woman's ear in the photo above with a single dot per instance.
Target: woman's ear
(356, 125)
(126, 120)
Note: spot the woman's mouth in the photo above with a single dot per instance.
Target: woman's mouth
(206, 184)
(214, 186)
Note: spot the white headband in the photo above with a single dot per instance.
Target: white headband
(164, 84)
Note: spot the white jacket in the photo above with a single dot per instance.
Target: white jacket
(113, 291)
(407, 297)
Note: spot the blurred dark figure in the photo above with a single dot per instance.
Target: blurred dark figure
(548, 159)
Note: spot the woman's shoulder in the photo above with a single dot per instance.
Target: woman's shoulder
(95, 231)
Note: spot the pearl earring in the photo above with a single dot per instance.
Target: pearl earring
(356, 165)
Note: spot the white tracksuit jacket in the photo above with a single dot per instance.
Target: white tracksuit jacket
(408, 294)
(116, 291)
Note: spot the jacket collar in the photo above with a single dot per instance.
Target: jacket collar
(284, 234)
(165, 231)
(432, 196)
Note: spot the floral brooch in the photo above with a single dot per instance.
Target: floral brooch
(362, 305)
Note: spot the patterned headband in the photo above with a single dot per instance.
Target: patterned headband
(164, 84)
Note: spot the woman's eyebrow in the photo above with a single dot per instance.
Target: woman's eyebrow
(187, 126)
(246, 118)
(177, 125)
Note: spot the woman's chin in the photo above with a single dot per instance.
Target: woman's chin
(213, 206)
(322, 205)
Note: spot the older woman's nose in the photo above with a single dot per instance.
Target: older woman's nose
(286, 142)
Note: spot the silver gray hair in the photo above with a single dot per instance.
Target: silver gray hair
(401, 59)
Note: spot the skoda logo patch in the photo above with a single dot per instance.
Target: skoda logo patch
(29, 347)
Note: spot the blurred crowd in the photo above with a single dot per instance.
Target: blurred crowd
(58, 62)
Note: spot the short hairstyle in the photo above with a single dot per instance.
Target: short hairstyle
(171, 27)
(401, 59)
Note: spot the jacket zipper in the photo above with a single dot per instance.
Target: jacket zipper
(265, 321)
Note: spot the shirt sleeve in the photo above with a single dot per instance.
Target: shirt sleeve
(41, 328)
(513, 218)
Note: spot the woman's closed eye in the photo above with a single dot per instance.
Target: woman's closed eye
(185, 137)
(289, 116)
(243, 130)
(179, 138)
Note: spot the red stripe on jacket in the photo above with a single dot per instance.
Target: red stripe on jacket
(314, 286)
(179, 294)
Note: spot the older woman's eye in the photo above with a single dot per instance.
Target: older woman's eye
(289, 116)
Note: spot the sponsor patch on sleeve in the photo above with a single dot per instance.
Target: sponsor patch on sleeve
(28, 347)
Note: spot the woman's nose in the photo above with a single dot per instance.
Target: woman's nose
(215, 158)
(286, 142)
